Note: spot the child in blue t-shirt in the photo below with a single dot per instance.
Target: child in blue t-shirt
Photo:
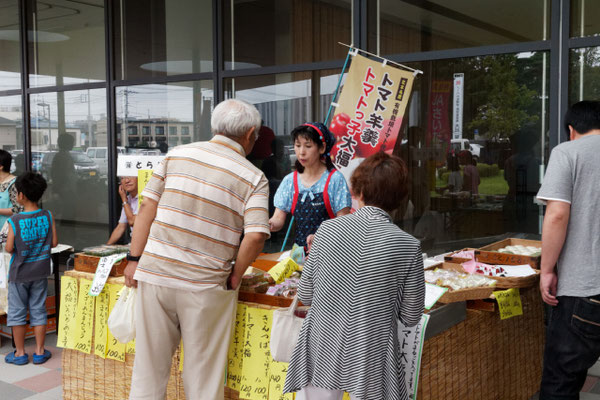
(31, 236)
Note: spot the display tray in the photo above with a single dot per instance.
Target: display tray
(507, 282)
(458, 260)
(452, 296)
(489, 255)
(86, 263)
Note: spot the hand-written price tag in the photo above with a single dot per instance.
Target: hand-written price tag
(509, 303)
(102, 271)
(283, 269)
(277, 373)
(68, 312)
(182, 356)
(100, 327)
(115, 349)
(85, 318)
(235, 359)
(130, 347)
(257, 355)
(143, 178)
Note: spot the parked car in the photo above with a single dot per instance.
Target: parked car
(85, 167)
(459, 145)
(100, 156)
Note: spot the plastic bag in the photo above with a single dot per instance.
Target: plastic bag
(284, 332)
(121, 321)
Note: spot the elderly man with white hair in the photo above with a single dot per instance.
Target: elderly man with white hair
(198, 203)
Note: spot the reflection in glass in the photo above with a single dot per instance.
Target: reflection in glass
(464, 191)
(409, 26)
(155, 118)
(10, 54)
(164, 38)
(584, 74)
(284, 102)
(290, 31)
(67, 45)
(64, 126)
(11, 131)
(584, 18)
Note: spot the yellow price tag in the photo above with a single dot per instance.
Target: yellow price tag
(283, 269)
(143, 178)
(509, 303)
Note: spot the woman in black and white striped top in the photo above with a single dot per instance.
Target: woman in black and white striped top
(362, 276)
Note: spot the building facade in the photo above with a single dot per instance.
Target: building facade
(146, 74)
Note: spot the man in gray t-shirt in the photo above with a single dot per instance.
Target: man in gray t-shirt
(570, 266)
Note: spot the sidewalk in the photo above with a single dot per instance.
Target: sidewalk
(43, 382)
(32, 382)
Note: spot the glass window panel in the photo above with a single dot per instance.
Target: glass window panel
(505, 131)
(67, 42)
(284, 102)
(584, 18)
(10, 54)
(161, 38)
(63, 126)
(409, 26)
(289, 31)
(584, 74)
(151, 108)
(11, 131)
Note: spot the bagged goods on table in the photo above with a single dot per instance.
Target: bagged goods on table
(518, 249)
(456, 280)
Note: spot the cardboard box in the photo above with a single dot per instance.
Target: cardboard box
(488, 255)
(6, 330)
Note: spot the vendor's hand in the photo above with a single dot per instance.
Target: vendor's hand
(129, 272)
(548, 283)
(122, 193)
(309, 242)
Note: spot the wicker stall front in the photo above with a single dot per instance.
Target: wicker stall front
(480, 358)
(87, 377)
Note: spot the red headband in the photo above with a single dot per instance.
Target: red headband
(318, 130)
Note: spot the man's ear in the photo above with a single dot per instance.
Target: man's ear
(249, 133)
(572, 133)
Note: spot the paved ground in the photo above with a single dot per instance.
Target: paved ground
(32, 382)
(43, 382)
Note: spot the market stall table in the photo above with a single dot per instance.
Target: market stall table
(468, 354)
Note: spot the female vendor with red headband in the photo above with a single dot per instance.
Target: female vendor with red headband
(314, 192)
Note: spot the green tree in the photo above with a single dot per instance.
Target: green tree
(505, 109)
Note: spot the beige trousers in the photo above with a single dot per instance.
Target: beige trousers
(203, 320)
(311, 392)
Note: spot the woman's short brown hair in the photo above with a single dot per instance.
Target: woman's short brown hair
(381, 181)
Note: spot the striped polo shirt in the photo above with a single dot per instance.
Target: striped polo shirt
(208, 194)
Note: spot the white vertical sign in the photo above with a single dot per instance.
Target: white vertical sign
(457, 106)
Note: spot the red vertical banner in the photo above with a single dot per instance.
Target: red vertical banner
(438, 130)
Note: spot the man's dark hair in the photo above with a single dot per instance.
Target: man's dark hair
(583, 116)
(32, 185)
(5, 160)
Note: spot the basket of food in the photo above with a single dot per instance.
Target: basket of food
(511, 252)
(88, 259)
(461, 286)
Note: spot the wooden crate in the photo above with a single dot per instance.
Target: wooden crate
(86, 263)
(489, 255)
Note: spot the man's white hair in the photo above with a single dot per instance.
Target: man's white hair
(234, 118)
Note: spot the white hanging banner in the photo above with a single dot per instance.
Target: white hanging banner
(457, 106)
(411, 348)
(130, 164)
(102, 271)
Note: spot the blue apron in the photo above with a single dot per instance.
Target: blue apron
(311, 210)
(5, 202)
